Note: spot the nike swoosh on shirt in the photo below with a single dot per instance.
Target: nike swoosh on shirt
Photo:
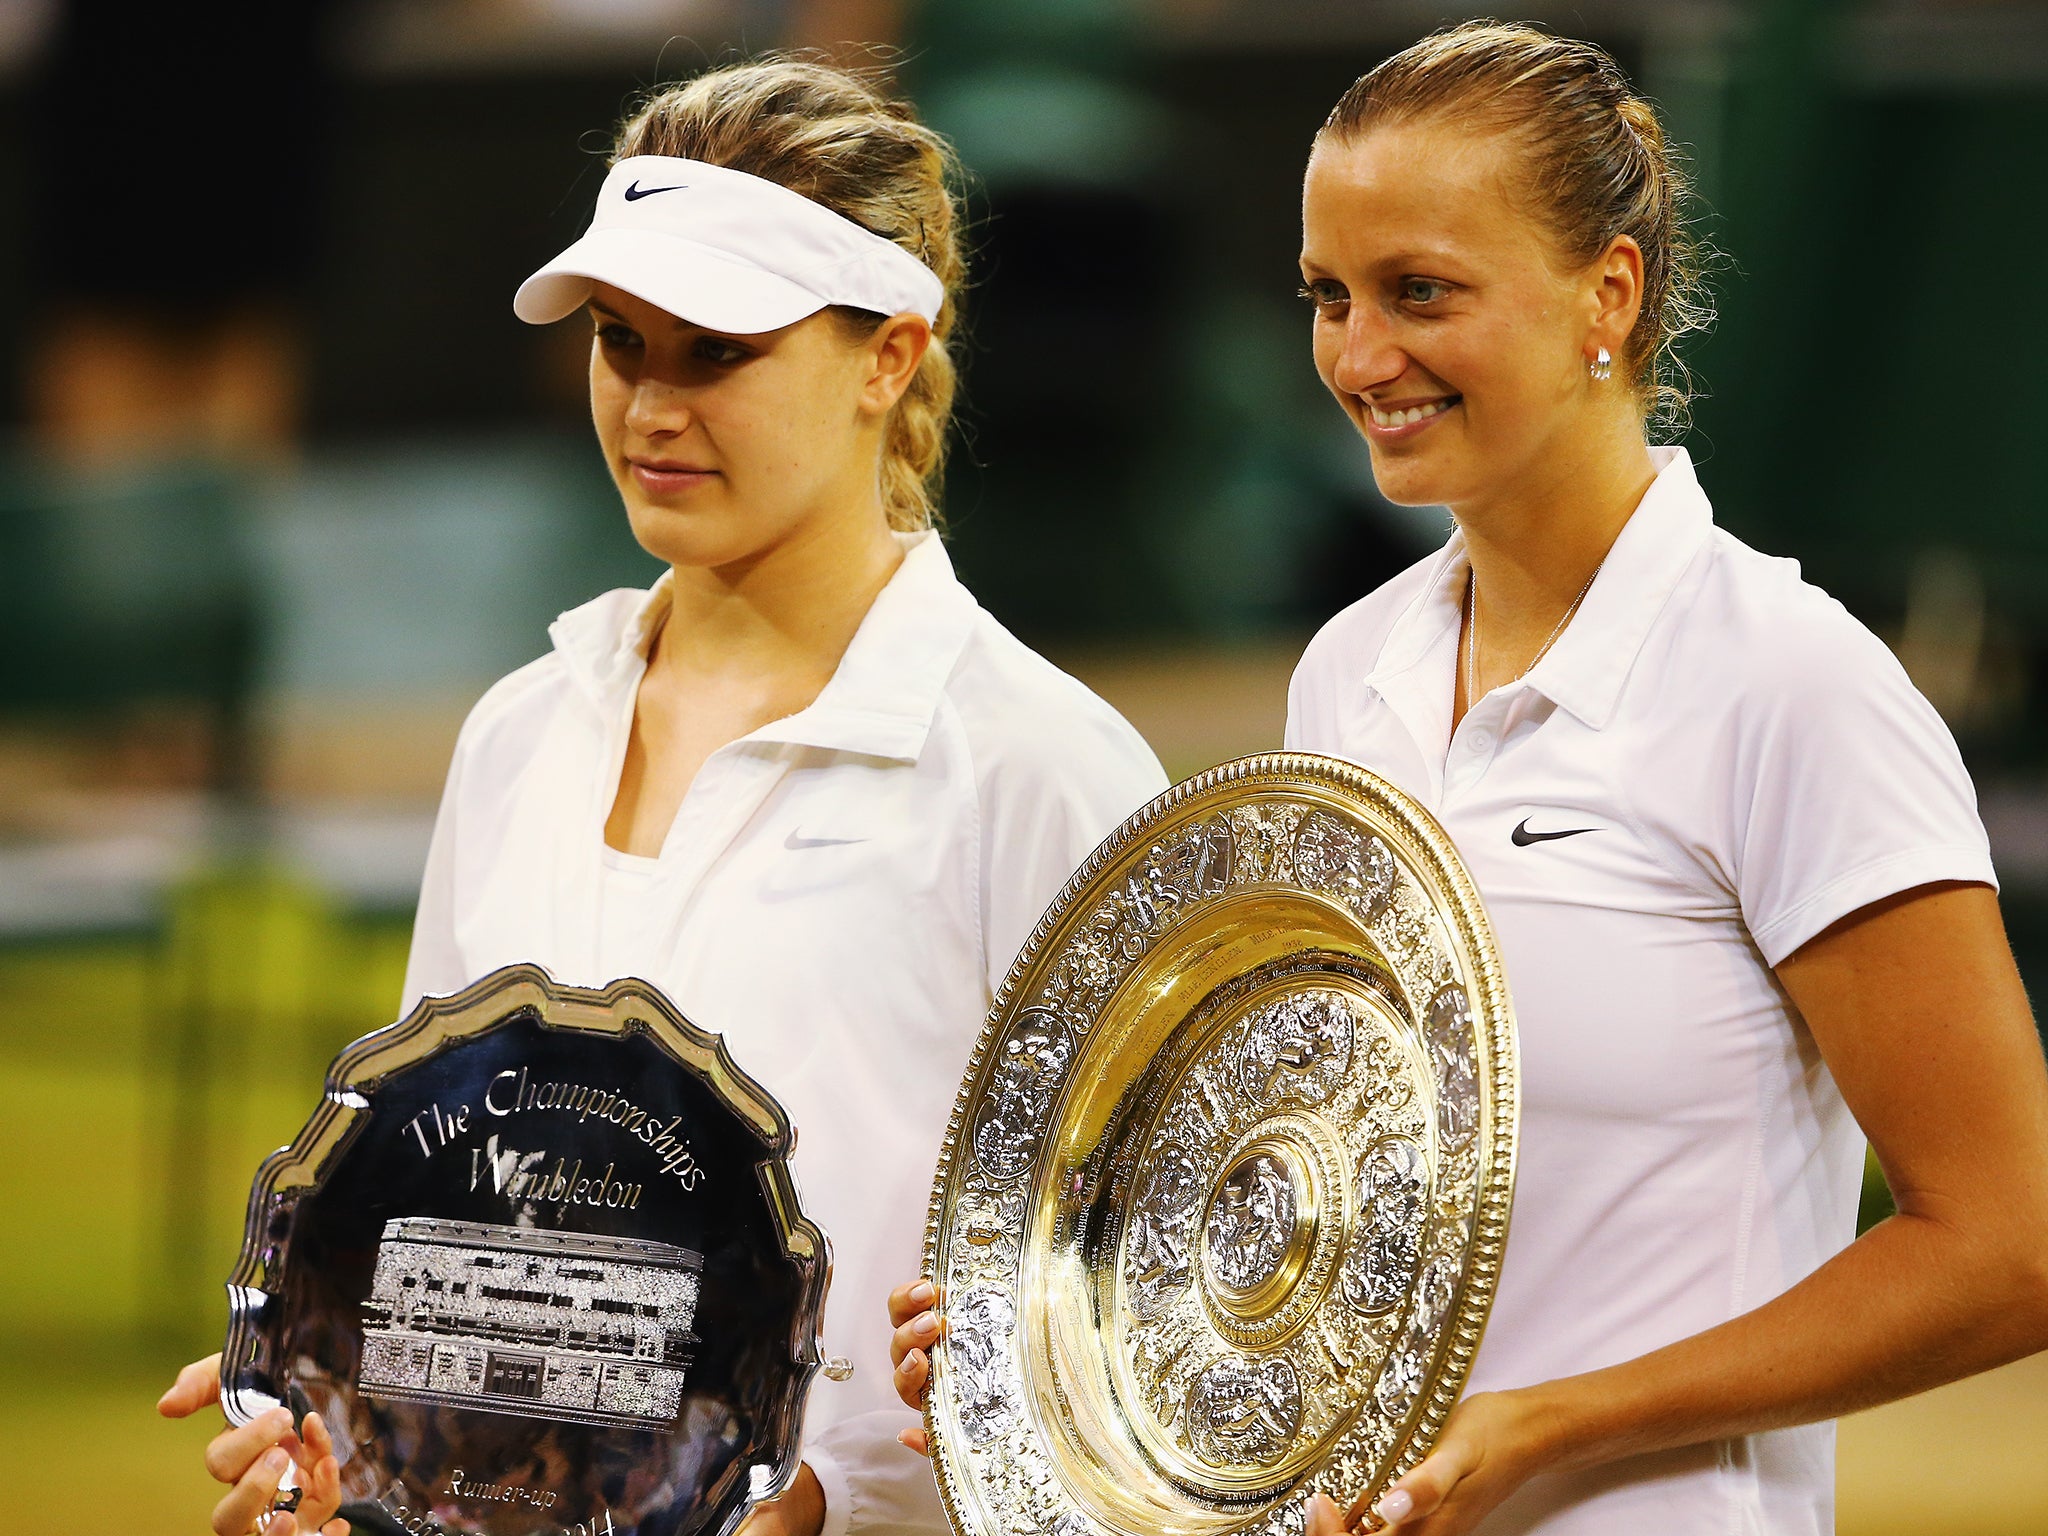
(635, 192)
(799, 838)
(1522, 837)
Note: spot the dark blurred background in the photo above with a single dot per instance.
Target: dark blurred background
(283, 486)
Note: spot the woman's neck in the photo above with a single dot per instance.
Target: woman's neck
(786, 614)
(1535, 550)
(742, 645)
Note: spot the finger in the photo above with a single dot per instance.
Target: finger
(251, 1496)
(231, 1453)
(916, 1440)
(1324, 1518)
(906, 1301)
(913, 1372)
(197, 1385)
(322, 1490)
(919, 1333)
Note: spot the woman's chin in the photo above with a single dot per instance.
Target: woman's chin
(1408, 484)
(692, 541)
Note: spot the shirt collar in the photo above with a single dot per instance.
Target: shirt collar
(882, 697)
(1583, 672)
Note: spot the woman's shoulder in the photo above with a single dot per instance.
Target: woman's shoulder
(1774, 636)
(1022, 714)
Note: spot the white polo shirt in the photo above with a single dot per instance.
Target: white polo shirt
(1712, 764)
(840, 894)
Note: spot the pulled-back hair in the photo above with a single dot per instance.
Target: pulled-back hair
(1597, 166)
(843, 142)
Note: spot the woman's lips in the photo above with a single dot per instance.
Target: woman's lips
(659, 478)
(1388, 426)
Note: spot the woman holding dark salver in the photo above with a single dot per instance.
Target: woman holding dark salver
(1732, 857)
(805, 785)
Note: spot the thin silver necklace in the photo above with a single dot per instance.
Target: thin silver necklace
(1472, 633)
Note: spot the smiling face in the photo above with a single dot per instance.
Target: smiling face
(725, 447)
(1446, 322)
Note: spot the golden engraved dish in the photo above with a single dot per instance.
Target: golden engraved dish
(1221, 1207)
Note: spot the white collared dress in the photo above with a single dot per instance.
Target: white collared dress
(1713, 763)
(840, 895)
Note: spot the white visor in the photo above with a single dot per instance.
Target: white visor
(727, 251)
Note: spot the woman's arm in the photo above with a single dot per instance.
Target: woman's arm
(1917, 1007)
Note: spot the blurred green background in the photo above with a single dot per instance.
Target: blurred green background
(283, 486)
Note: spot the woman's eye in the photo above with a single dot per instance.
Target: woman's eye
(1324, 294)
(614, 335)
(1423, 290)
(712, 350)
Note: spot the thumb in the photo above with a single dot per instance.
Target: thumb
(197, 1385)
(1422, 1491)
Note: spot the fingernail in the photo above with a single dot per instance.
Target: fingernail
(912, 1361)
(275, 1458)
(926, 1323)
(922, 1292)
(1398, 1505)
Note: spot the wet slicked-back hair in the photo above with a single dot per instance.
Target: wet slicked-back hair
(1596, 165)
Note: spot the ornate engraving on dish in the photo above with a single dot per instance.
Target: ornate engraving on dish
(1156, 1259)
(1393, 1199)
(977, 1344)
(1252, 1222)
(1335, 857)
(1449, 1027)
(1278, 1203)
(1033, 1057)
(1219, 1214)
(1243, 1412)
(1299, 1052)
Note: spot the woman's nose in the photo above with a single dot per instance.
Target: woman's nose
(1369, 356)
(658, 407)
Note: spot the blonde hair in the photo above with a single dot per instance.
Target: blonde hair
(1598, 167)
(842, 141)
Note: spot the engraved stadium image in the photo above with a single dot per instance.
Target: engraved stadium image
(550, 1325)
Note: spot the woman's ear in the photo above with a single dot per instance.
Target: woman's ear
(1616, 291)
(896, 347)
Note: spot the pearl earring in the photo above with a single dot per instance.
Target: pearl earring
(1602, 366)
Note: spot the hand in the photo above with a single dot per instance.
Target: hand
(253, 1458)
(911, 1314)
(1489, 1447)
(799, 1512)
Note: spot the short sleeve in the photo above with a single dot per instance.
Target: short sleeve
(1043, 812)
(1851, 788)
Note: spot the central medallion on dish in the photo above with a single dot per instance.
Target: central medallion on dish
(1260, 1228)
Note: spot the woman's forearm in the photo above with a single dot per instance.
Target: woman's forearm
(1914, 1303)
